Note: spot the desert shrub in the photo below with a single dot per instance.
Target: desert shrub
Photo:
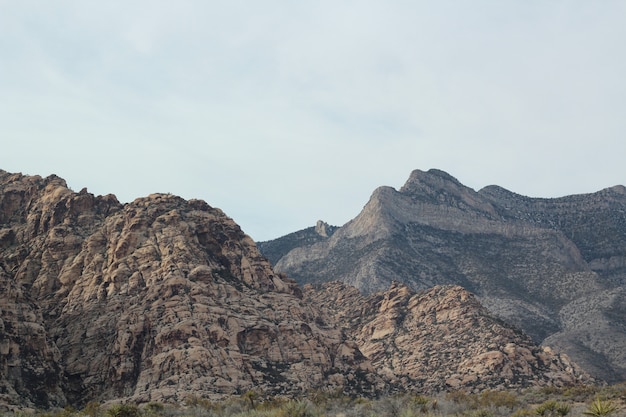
(580, 392)
(272, 403)
(421, 404)
(524, 412)
(124, 410)
(250, 398)
(486, 399)
(68, 411)
(458, 397)
(296, 408)
(600, 408)
(325, 397)
(92, 409)
(552, 408)
(154, 409)
(490, 398)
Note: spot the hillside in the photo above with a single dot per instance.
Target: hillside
(555, 268)
(440, 339)
(163, 299)
(155, 300)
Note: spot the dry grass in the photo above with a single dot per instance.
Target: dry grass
(546, 402)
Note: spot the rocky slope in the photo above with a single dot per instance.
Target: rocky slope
(274, 250)
(163, 298)
(554, 267)
(440, 339)
(154, 300)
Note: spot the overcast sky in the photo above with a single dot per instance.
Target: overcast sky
(285, 112)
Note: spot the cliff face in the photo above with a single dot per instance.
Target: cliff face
(440, 339)
(154, 300)
(536, 263)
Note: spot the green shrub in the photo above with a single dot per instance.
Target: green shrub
(490, 398)
(296, 408)
(552, 408)
(600, 408)
(124, 410)
(524, 412)
(250, 398)
(422, 403)
(154, 409)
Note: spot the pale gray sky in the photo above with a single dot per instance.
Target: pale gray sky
(285, 112)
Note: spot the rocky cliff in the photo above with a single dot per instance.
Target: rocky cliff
(162, 298)
(154, 300)
(440, 339)
(554, 267)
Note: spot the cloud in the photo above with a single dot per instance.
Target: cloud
(285, 112)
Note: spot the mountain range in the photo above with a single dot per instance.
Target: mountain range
(555, 268)
(163, 299)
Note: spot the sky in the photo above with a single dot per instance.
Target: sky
(283, 112)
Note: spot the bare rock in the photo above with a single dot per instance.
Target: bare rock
(533, 262)
(155, 300)
(441, 339)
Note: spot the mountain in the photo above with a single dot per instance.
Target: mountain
(556, 268)
(163, 298)
(440, 339)
(155, 300)
(274, 250)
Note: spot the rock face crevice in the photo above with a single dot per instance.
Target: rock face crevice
(531, 261)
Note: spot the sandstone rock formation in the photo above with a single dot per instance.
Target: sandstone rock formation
(163, 298)
(154, 300)
(440, 339)
(556, 268)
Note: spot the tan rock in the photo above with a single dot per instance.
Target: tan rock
(440, 339)
(158, 299)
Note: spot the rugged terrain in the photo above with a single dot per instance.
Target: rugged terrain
(162, 298)
(154, 300)
(556, 268)
(441, 339)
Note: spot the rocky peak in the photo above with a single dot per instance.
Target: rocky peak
(440, 188)
(617, 189)
(527, 259)
(154, 300)
(441, 339)
(321, 228)
(433, 178)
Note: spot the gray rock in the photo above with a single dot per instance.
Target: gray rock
(532, 261)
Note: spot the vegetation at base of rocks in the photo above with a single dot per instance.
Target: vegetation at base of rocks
(600, 408)
(576, 401)
(553, 408)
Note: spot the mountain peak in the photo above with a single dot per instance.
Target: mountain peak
(154, 300)
(442, 189)
(525, 258)
(433, 178)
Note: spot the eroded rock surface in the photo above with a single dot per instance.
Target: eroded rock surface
(154, 300)
(441, 339)
(536, 263)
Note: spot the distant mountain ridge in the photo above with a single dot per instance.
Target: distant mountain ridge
(556, 268)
